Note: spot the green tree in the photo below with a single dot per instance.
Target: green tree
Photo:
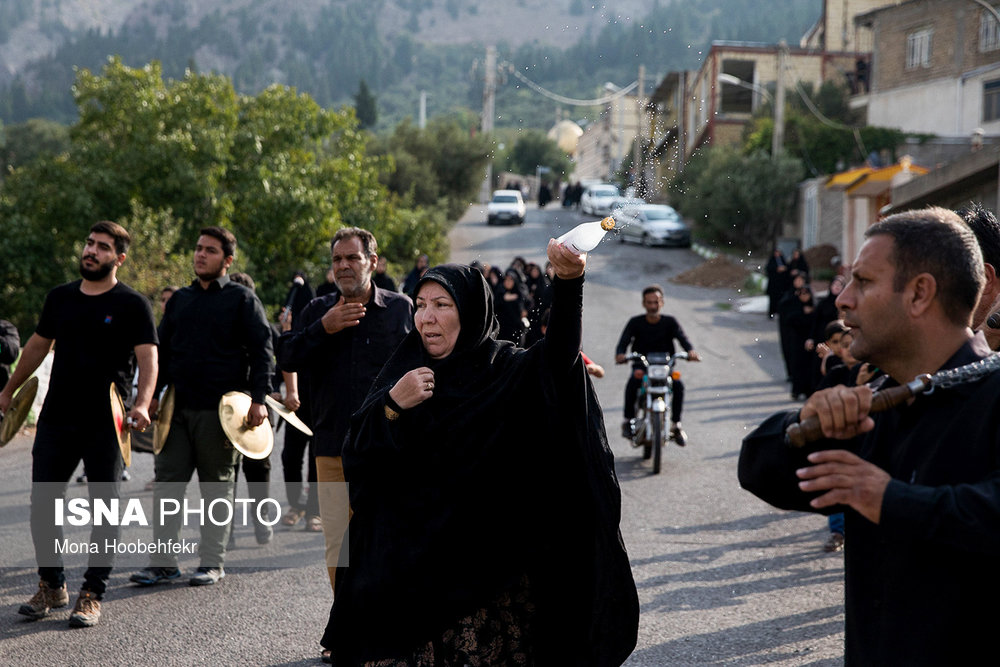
(442, 165)
(166, 157)
(533, 149)
(25, 142)
(365, 106)
(826, 134)
(736, 199)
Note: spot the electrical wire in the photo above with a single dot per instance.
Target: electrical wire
(621, 92)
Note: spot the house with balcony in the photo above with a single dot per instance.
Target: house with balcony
(713, 104)
(935, 67)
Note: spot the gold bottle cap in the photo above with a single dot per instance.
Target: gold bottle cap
(608, 224)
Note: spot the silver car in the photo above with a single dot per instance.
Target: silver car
(653, 224)
(597, 199)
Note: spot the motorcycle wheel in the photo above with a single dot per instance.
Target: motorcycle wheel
(657, 444)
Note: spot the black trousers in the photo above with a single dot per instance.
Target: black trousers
(297, 446)
(57, 450)
(632, 390)
(258, 475)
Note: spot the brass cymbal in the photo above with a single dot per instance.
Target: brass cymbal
(122, 431)
(164, 413)
(255, 443)
(20, 405)
(287, 415)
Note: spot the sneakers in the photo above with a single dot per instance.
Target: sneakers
(154, 575)
(262, 532)
(44, 601)
(678, 435)
(87, 611)
(206, 576)
(835, 543)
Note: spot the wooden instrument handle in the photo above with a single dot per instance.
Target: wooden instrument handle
(809, 430)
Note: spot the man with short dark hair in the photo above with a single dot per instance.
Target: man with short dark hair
(984, 225)
(214, 338)
(338, 346)
(647, 334)
(100, 324)
(919, 483)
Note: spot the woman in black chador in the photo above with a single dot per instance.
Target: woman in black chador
(486, 507)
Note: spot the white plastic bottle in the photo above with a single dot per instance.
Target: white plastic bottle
(586, 236)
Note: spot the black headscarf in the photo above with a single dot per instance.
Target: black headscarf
(504, 473)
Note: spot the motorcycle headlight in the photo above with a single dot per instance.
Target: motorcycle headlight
(658, 373)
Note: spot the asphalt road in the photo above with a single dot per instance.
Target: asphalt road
(722, 578)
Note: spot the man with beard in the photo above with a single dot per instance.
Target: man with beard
(99, 323)
(214, 338)
(338, 346)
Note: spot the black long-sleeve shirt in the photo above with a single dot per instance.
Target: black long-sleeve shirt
(916, 581)
(646, 337)
(213, 341)
(338, 369)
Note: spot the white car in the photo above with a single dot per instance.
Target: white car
(653, 224)
(506, 206)
(597, 199)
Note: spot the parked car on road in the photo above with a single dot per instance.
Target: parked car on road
(653, 224)
(505, 206)
(621, 202)
(597, 199)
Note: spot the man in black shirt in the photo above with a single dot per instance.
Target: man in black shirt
(214, 338)
(919, 483)
(10, 347)
(338, 346)
(99, 323)
(382, 279)
(653, 333)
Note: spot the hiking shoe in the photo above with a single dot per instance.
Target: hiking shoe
(87, 611)
(678, 435)
(154, 575)
(835, 543)
(207, 576)
(44, 601)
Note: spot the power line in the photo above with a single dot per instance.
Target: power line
(621, 92)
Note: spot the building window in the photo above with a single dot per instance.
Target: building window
(991, 100)
(918, 48)
(989, 32)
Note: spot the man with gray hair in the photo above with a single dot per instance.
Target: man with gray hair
(919, 483)
(337, 346)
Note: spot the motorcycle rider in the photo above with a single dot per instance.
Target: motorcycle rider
(653, 333)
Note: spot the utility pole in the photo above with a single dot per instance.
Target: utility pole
(637, 161)
(489, 111)
(778, 135)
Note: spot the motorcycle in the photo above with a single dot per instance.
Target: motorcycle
(649, 426)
